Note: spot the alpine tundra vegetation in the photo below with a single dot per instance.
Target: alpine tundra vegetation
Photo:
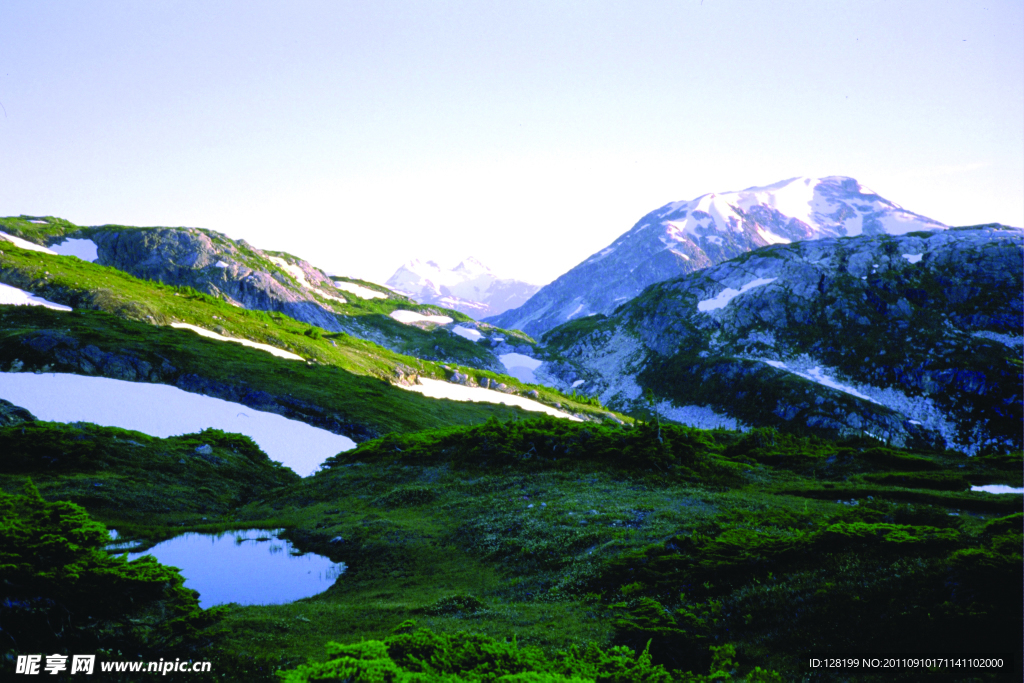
(772, 453)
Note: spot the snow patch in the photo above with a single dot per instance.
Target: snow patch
(300, 277)
(25, 244)
(997, 488)
(575, 312)
(410, 317)
(577, 383)
(433, 388)
(917, 409)
(12, 296)
(771, 237)
(280, 353)
(913, 258)
(1004, 339)
(359, 290)
(83, 249)
(728, 294)
(467, 333)
(162, 410)
(520, 366)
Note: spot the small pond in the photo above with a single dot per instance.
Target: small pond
(997, 488)
(249, 566)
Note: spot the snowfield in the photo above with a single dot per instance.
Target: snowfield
(467, 333)
(25, 244)
(435, 388)
(162, 410)
(997, 488)
(280, 353)
(410, 317)
(360, 291)
(12, 296)
(728, 294)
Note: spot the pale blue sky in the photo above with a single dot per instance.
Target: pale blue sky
(529, 134)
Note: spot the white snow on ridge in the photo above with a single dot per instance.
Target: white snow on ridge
(82, 248)
(25, 244)
(12, 296)
(162, 410)
(575, 312)
(520, 366)
(467, 333)
(771, 237)
(913, 258)
(359, 290)
(409, 317)
(817, 375)
(203, 332)
(728, 294)
(434, 388)
(300, 277)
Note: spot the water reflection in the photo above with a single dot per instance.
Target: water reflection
(997, 488)
(249, 567)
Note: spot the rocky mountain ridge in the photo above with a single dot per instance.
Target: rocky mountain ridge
(912, 338)
(687, 236)
(256, 279)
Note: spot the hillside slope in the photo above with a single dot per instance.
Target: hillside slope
(906, 338)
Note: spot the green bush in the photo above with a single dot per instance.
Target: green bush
(63, 592)
(422, 655)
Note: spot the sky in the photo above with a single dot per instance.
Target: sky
(360, 135)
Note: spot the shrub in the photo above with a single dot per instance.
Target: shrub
(64, 592)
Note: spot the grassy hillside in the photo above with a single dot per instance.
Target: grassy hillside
(564, 535)
(345, 384)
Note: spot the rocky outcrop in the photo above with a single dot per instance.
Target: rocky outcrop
(907, 338)
(220, 267)
(11, 414)
(688, 236)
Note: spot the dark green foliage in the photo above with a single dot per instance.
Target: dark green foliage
(423, 655)
(942, 481)
(63, 592)
(457, 604)
(122, 472)
(549, 443)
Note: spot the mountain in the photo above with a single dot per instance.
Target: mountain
(686, 236)
(262, 280)
(911, 339)
(470, 287)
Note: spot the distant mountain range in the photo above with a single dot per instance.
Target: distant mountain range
(687, 236)
(470, 287)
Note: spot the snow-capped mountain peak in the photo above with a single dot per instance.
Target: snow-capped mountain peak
(470, 287)
(684, 236)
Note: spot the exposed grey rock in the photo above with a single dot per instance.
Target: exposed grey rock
(903, 338)
(11, 414)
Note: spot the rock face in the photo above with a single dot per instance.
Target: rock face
(683, 237)
(470, 287)
(912, 338)
(11, 414)
(218, 266)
